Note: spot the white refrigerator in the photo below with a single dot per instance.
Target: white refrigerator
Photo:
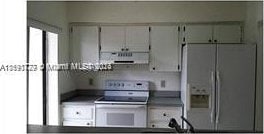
(218, 86)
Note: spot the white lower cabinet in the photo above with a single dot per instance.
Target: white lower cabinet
(78, 115)
(159, 116)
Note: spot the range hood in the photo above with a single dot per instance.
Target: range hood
(124, 57)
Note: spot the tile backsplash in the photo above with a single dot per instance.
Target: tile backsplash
(162, 81)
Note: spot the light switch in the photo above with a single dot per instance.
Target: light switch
(91, 81)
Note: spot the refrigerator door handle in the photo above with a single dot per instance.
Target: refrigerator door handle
(213, 96)
(218, 95)
(188, 99)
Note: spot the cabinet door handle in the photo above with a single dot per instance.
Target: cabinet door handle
(88, 123)
(77, 113)
(127, 49)
(153, 68)
(153, 125)
(215, 40)
(122, 49)
(213, 96)
(209, 40)
(218, 96)
(164, 114)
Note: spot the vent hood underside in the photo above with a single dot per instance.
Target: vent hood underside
(124, 57)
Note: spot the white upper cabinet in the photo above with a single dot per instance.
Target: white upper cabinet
(165, 48)
(112, 38)
(85, 44)
(124, 38)
(208, 33)
(198, 33)
(137, 38)
(227, 34)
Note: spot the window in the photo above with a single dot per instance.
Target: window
(35, 78)
(42, 84)
(52, 80)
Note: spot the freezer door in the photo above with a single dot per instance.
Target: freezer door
(235, 87)
(200, 83)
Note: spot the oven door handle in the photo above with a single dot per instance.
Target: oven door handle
(120, 106)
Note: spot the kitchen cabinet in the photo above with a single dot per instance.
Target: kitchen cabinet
(112, 38)
(78, 114)
(84, 43)
(159, 116)
(124, 38)
(137, 38)
(208, 33)
(227, 34)
(198, 33)
(165, 48)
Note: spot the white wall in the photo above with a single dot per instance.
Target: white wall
(54, 13)
(134, 72)
(254, 16)
(140, 12)
(155, 11)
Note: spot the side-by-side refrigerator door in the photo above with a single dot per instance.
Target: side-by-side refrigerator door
(201, 85)
(235, 87)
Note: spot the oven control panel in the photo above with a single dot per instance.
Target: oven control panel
(126, 85)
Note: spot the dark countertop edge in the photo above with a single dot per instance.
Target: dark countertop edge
(68, 129)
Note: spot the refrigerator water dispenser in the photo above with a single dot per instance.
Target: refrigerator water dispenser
(200, 97)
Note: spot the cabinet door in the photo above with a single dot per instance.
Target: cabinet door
(85, 112)
(112, 38)
(159, 117)
(137, 38)
(165, 113)
(227, 34)
(165, 50)
(198, 33)
(84, 43)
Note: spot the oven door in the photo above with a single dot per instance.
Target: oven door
(111, 115)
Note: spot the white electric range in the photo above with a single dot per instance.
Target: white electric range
(123, 104)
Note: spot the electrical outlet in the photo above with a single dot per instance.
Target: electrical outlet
(91, 81)
(163, 83)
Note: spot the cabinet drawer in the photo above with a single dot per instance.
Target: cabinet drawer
(165, 113)
(78, 112)
(78, 123)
